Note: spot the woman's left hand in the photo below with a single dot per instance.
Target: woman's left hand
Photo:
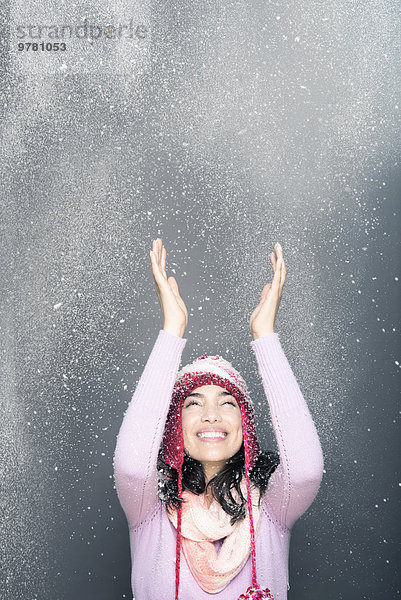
(264, 315)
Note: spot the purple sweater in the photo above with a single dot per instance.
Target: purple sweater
(291, 489)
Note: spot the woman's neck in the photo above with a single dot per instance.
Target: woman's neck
(208, 499)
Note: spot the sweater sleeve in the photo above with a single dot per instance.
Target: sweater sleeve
(295, 482)
(141, 432)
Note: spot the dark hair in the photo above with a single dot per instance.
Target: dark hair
(193, 479)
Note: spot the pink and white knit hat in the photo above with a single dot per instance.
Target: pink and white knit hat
(212, 370)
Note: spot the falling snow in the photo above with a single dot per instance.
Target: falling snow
(230, 126)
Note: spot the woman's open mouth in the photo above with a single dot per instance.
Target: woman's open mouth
(212, 436)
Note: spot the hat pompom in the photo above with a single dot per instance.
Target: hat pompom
(256, 594)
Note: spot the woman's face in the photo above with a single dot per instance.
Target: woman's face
(212, 427)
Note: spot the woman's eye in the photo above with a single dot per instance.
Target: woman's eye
(197, 403)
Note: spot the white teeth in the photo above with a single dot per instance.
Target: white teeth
(212, 434)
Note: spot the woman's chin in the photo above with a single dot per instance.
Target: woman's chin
(213, 455)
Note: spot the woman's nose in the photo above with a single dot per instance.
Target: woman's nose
(211, 414)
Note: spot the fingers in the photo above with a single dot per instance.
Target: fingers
(163, 261)
(283, 275)
(155, 273)
(158, 250)
(273, 260)
(156, 259)
(159, 256)
(280, 270)
(283, 268)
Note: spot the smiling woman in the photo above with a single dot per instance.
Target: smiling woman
(189, 472)
(212, 441)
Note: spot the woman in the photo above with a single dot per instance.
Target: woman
(189, 472)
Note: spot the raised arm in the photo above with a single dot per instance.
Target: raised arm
(294, 484)
(140, 436)
(141, 432)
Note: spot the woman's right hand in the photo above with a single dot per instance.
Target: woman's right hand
(175, 313)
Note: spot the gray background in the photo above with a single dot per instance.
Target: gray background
(227, 127)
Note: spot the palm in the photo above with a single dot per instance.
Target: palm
(173, 306)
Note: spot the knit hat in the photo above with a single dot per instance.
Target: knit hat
(212, 370)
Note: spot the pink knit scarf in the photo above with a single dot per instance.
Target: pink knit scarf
(201, 526)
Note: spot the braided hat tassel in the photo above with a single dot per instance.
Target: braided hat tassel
(178, 541)
(254, 591)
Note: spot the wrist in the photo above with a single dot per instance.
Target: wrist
(262, 333)
(174, 329)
